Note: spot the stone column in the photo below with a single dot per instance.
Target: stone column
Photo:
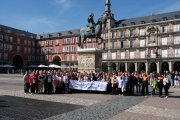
(136, 66)
(170, 66)
(117, 66)
(147, 67)
(126, 67)
(109, 67)
(157, 64)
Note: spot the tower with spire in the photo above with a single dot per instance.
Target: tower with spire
(108, 7)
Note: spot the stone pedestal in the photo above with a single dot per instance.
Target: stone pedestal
(89, 59)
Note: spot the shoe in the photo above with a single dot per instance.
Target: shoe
(166, 96)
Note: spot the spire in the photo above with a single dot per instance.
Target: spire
(108, 7)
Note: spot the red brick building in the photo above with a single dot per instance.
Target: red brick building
(17, 47)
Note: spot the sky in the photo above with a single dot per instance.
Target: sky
(47, 16)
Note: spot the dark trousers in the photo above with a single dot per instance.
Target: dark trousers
(119, 91)
(26, 87)
(160, 90)
(33, 88)
(49, 88)
(166, 90)
(145, 89)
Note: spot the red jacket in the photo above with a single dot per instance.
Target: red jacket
(32, 79)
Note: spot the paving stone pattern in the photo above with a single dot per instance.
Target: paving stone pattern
(101, 111)
(15, 108)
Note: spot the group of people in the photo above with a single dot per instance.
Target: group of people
(122, 83)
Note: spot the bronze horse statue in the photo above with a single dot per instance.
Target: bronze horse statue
(85, 33)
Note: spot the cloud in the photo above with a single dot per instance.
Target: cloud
(40, 21)
(64, 4)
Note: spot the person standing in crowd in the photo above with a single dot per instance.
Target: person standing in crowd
(66, 83)
(166, 85)
(32, 82)
(113, 84)
(126, 78)
(120, 82)
(37, 82)
(177, 79)
(41, 79)
(153, 83)
(26, 82)
(172, 78)
(160, 84)
(145, 85)
(48, 83)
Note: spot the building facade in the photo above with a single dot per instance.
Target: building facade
(150, 44)
(17, 47)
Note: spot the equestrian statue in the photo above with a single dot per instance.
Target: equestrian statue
(93, 30)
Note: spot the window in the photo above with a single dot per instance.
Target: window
(11, 39)
(104, 56)
(122, 33)
(132, 55)
(1, 37)
(25, 50)
(18, 49)
(142, 54)
(5, 55)
(142, 43)
(67, 57)
(0, 55)
(72, 57)
(29, 43)
(177, 52)
(176, 28)
(113, 56)
(176, 39)
(10, 47)
(164, 53)
(57, 50)
(67, 49)
(18, 41)
(131, 32)
(72, 48)
(131, 43)
(33, 43)
(64, 49)
(50, 42)
(142, 32)
(164, 41)
(25, 42)
(122, 44)
(122, 55)
(112, 35)
(164, 29)
(152, 53)
(6, 38)
(29, 50)
(104, 45)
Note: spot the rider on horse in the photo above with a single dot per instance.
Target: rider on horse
(91, 24)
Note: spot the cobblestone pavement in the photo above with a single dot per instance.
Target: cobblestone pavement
(100, 106)
(154, 108)
(17, 108)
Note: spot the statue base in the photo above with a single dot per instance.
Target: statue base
(89, 59)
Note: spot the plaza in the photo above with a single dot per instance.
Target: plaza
(15, 104)
(113, 69)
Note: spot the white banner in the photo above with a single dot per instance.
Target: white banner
(94, 86)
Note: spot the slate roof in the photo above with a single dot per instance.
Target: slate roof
(148, 19)
(16, 31)
(59, 34)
